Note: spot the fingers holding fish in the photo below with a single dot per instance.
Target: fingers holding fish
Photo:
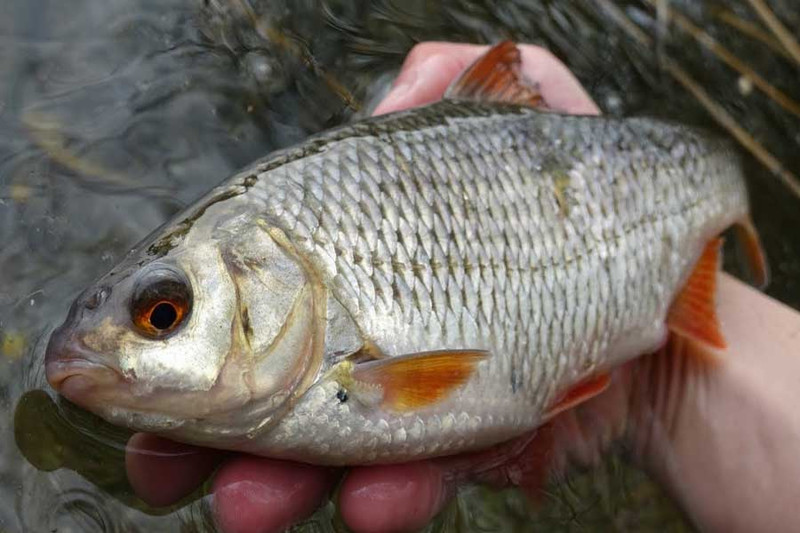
(402, 497)
(560, 88)
(161, 471)
(405, 497)
(249, 493)
(430, 67)
(258, 494)
(427, 71)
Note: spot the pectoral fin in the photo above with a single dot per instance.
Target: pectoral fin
(409, 382)
(496, 77)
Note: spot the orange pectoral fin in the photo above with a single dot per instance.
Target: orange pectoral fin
(496, 77)
(750, 244)
(577, 394)
(413, 381)
(693, 315)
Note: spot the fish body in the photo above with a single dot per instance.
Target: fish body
(555, 243)
(514, 252)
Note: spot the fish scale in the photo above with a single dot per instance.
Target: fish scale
(552, 293)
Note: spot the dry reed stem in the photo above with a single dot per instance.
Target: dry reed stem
(717, 112)
(725, 55)
(781, 32)
(729, 123)
(750, 29)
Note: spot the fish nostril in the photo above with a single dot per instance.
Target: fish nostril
(97, 298)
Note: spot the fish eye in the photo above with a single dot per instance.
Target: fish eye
(160, 303)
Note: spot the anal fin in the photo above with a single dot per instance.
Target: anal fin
(409, 382)
(496, 77)
(693, 315)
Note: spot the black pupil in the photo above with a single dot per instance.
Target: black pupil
(163, 316)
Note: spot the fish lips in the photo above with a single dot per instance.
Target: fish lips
(75, 372)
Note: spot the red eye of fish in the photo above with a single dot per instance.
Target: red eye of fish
(161, 305)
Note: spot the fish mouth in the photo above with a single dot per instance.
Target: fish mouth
(60, 371)
(75, 373)
(76, 377)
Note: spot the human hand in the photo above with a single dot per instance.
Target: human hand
(652, 403)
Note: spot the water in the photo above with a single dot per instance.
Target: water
(116, 113)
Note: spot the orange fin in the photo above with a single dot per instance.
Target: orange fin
(748, 239)
(693, 314)
(578, 393)
(695, 356)
(409, 382)
(496, 77)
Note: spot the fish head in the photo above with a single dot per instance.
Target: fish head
(208, 340)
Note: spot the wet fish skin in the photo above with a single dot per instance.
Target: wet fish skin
(556, 243)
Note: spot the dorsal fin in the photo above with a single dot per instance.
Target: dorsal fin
(693, 314)
(496, 77)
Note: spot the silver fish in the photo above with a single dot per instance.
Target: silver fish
(418, 284)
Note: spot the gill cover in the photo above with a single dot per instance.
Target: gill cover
(280, 318)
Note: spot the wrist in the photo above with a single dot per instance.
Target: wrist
(723, 437)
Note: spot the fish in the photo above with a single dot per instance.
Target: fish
(418, 284)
